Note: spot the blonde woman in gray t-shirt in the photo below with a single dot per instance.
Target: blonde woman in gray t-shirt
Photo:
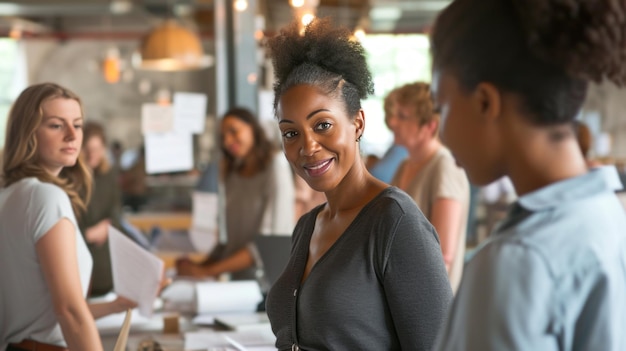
(45, 263)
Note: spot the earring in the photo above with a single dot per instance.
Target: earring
(359, 138)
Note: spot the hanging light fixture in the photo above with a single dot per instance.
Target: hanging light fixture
(171, 47)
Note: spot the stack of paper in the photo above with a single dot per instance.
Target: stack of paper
(256, 339)
(235, 296)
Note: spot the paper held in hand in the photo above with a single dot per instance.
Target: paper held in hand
(137, 273)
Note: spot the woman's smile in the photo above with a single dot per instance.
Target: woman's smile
(316, 169)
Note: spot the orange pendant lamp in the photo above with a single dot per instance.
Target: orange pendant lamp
(171, 47)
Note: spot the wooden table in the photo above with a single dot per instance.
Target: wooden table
(145, 221)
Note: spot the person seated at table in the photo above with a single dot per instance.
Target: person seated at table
(430, 174)
(366, 271)
(45, 263)
(103, 209)
(259, 198)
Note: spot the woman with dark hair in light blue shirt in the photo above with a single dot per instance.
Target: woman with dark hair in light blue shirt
(509, 77)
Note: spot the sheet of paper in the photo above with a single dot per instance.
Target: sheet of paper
(204, 210)
(203, 240)
(157, 118)
(234, 296)
(203, 340)
(242, 321)
(111, 324)
(168, 152)
(137, 273)
(189, 112)
(258, 339)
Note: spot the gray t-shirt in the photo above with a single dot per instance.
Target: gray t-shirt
(28, 210)
(381, 286)
(261, 204)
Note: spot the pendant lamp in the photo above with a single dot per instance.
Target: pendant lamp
(171, 47)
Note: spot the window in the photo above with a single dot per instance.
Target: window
(12, 79)
(394, 60)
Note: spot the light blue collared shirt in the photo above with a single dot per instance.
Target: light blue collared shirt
(551, 277)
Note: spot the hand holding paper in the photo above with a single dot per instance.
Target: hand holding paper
(137, 274)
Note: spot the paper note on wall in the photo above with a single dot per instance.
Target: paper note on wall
(190, 112)
(137, 273)
(168, 152)
(156, 118)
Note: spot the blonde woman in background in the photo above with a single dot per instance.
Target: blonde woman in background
(45, 263)
(429, 174)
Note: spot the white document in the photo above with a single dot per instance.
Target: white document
(137, 273)
(242, 321)
(221, 297)
(156, 118)
(110, 324)
(204, 229)
(257, 339)
(168, 152)
(203, 240)
(189, 112)
(204, 210)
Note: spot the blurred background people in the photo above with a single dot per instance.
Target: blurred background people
(385, 168)
(585, 142)
(430, 174)
(132, 182)
(260, 198)
(104, 208)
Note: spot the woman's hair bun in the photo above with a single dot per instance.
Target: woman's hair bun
(586, 37)
(324, 45)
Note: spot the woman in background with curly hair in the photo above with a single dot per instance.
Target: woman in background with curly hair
(366, 271)
(509, 78)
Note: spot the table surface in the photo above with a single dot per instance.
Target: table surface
(145, 221)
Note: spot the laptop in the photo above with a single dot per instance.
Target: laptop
(275, 251)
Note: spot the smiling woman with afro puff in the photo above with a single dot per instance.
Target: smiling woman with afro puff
(366, 270)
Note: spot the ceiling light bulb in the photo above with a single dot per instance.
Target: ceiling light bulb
(307, 18)
(297, 3)
(241, 5)
(359, 34)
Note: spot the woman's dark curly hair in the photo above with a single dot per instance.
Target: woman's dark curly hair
(262, 151)
(323, 56)
(545, 51)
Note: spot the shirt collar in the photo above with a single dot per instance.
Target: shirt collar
(597, 180)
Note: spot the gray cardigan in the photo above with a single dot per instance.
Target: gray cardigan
(381, 286)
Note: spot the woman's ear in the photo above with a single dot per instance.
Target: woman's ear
(489, 100)
(359, 124)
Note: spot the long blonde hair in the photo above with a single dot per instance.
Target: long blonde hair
(20, 159)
